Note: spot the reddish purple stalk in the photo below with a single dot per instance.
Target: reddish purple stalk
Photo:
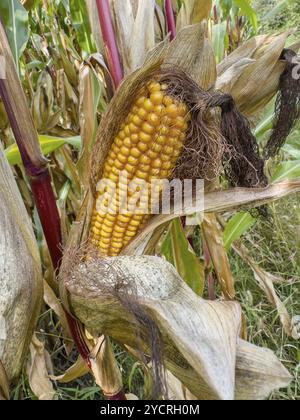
(111, 49)
(171, 24)
(40, 181)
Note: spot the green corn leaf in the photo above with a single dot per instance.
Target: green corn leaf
(287, 170)
(237, 226)
(219, 35)
(15, 19)
(177, 251)
(292, 151)
(247, 10)
(48, 145)
(265, 125)
(82, 24)
(279, 8)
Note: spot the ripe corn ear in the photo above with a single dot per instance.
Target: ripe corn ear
(147, 147)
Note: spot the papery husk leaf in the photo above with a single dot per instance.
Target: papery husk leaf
(124, 26)
(143, 34)
(266, 282)
(193, 11)
(183, 319)
(253, 84)
(21, 279)
(218, 202)
(258, 373)
(192, 52)
(176, 391)
(37, 370)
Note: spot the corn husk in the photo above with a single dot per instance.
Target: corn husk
(251, 73)
(258, 373)
(21, 279)
(200, 339)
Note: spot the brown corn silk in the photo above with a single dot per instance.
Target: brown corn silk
(287, 107)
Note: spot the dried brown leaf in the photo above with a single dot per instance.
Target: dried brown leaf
(192, 52)
(213, 235)
(76, 371)
(143, 34)
(53, 302)
(251, 73)
(182, 317)
(105, 368)
(37, 370)
(21, 278)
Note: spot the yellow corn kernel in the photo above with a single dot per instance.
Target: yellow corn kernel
(157, 98)
(147, 146)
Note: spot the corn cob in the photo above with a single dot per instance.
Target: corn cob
(147, 147)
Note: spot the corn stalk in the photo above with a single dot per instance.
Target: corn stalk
(35, 165)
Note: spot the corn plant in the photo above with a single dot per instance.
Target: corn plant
(161, 90)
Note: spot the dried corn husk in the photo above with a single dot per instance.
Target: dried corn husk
(251, 73)
(20, 281)
(200, 338)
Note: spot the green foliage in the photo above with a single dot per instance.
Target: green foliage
(278, 14)
(15, 19)
(179, 253)
(236, 227)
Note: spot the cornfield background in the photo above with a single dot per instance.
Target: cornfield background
(60, 60)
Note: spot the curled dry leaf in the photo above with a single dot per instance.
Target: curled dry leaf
(105, 369)
(266, 282)
(21, 278)
(37, 370)
(123, 16)
(77, 370)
